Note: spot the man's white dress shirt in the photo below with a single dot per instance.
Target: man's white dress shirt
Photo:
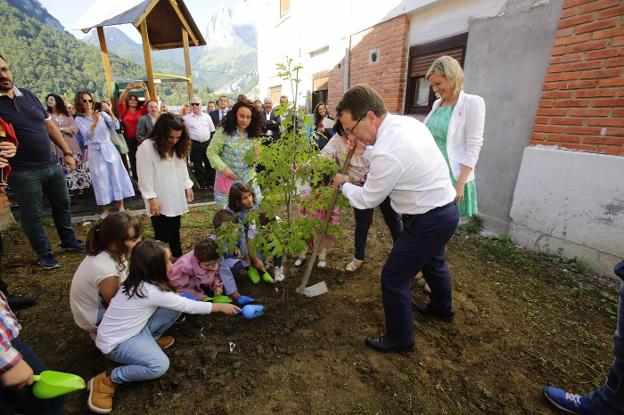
(199, 126)
(405, 163)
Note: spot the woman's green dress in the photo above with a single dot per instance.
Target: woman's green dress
(438, 125)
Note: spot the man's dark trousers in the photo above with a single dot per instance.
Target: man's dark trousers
(29, 187)
(421, 247)
(204, 172)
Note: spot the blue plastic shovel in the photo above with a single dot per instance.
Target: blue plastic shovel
(251, 311)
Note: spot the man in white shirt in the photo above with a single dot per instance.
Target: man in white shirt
(407, 166)
(200, 129)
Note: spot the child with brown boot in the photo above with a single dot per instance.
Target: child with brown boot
(131, 332)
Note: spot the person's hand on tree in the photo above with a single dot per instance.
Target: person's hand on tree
(229, 174)
(339, 179)
(18, 376)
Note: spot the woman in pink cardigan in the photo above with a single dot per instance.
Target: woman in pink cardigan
(197, 272)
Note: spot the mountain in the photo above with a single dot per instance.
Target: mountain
(35, 10)
(47, 60)
(227, 64)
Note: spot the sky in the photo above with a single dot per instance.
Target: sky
(201, 10)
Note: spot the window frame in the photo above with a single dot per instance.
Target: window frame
(436, 47)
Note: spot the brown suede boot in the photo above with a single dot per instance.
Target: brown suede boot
(101, 391)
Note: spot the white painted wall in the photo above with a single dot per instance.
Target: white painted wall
(446, 18)
(571, 203)
(312, 25)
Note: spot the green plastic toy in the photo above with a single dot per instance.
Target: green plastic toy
(223, 299)
(50, 384)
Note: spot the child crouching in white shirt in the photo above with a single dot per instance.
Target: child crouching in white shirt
(145, 306)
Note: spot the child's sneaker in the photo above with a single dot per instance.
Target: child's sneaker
(165, 342)
(254, 276)
(569, 402)
(299, 261)
(278, 273)
(354, 265)
(266, 277)
(101, 391)
(321, 264)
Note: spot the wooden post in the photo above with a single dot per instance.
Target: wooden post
(107, 68)
(187, 63)
(147, 55)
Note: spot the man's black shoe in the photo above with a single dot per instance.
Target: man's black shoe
(427, 310)
(385, 345)
(18, 302)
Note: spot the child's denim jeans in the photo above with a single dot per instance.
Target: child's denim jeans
(141, 356)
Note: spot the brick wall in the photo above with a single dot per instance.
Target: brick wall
(335, 86)
(582, 102)
(387, 75)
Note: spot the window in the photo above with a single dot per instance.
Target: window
(320, 86)
(284, 7)
(275, 92)
(419, 94)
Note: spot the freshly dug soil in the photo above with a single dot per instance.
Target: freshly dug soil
(522, 321)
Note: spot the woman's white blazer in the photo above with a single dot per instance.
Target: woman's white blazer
(464, 137)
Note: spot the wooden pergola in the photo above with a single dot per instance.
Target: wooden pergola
(163, 24)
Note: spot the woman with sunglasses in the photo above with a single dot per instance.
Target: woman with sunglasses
(130, 110)
(108, 175)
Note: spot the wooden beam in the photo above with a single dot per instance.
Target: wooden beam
(187, 63)
(107, 67)
(143, 16)
(147, 55)
(174, 4)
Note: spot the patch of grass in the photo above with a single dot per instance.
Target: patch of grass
(48, 222)
(502, 248)
(474, 225)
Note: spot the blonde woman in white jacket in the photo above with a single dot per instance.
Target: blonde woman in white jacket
(457, 121)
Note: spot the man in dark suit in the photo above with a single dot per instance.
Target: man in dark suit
(219, 114)
(146, 122)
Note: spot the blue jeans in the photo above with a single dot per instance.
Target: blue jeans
(609, 398)
(363, 221)
(22, 400)
(141, 356)
(420, 247)
(29, 186)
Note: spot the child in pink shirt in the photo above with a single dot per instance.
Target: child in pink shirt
(198, 270)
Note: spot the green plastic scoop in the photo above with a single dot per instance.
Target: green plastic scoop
(223, 299)
(50, 384)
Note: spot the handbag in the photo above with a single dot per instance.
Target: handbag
(223, 183)
(122, 126)
(119, 141)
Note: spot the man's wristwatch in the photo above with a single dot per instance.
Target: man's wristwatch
(340, 186)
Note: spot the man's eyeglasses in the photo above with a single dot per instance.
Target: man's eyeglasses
(348, 131)
(195, 104)
(84, 101)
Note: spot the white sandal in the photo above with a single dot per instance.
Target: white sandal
(354, 265)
